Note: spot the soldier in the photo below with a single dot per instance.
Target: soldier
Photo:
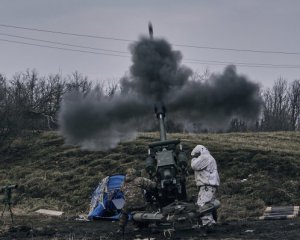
(207, 179)
(132, 189)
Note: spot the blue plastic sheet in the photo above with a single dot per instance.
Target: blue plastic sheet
(101, 203)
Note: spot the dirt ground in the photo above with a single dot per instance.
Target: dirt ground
(37, 227)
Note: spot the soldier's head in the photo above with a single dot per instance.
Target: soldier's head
(198, 150)
(131, 173)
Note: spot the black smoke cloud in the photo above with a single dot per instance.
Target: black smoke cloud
(217, 100)
(156, 75)
(156, 70)
(98, 122)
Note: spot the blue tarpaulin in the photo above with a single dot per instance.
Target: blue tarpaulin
(107, 200)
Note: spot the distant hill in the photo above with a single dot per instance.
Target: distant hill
(256, 169)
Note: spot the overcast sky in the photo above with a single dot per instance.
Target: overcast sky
(269, 25)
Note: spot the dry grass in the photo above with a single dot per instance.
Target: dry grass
(61, 177)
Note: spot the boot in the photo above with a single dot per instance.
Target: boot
(209, 228)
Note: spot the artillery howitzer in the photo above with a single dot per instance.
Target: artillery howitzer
(166, 164)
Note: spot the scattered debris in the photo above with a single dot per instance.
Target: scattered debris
(82, 218)
(277, 213)
(50, 212)
(144, 238)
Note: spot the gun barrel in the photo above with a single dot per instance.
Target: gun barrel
(160, 111)
(163, 135)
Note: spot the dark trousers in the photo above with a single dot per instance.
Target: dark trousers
(123, 220)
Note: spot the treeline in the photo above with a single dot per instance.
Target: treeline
(280, 109)
(30, 102)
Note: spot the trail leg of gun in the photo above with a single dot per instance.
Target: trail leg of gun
(11, 214)
(3, 211)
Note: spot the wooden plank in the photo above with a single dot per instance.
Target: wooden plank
(281, 212)
(277, 217)
(50, 212)
(281, 209)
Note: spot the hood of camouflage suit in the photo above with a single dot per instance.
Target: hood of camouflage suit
(199, 149)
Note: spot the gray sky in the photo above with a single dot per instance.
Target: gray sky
(269, 25)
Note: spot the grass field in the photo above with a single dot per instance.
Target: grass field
(256, 170)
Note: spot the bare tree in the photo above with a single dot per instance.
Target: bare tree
(79, 83)
(3, 109)
(111, 87)
(196, 76)
(237, 125)
(294, 104)
(275, 110)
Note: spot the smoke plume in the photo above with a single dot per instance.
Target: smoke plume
(156, 70)
(100, 122)
(217, 100)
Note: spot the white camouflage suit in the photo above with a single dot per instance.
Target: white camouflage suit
(206, 177)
